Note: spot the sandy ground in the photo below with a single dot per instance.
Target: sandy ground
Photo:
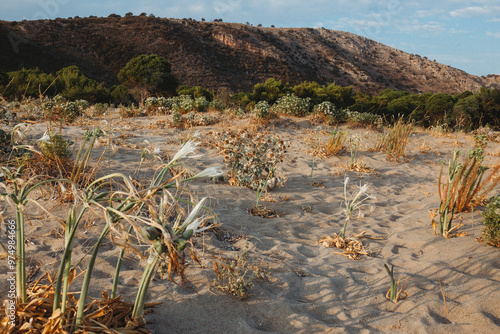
(309, 289)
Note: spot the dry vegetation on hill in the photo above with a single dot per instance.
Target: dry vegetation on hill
(235, 56)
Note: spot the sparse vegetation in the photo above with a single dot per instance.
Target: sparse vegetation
(396, 291)
(236, 277)
(465, 186)
(395, 140)
(491, 229)
(165, 227)
(251, 157)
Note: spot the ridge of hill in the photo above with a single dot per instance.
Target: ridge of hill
(219, 55)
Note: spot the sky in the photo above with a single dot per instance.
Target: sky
(459, 33)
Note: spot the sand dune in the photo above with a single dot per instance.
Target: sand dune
(309, 289)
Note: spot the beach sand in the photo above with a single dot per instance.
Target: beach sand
(308, 289)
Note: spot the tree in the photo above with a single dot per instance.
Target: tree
(405, 105)
(438, 106)
(270, 91)
(489, 100)
(466, 112)
(74, 85)
(29, 82)
(120, 95)
(311, 89)
(147, 74)
(342, 97)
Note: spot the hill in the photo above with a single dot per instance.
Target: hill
(226, 55)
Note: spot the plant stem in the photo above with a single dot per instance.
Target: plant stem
(312, 170)
(342, 233)
(66, 258)
(86, 280)
(138, 310)
(118, 267)
(392, 295)
(21, 257)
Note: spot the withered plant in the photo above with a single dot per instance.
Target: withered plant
(236, 277)
(333, 145)
(466, 186)
(395, 140)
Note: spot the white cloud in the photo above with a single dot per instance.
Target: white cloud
(472, 11)
(428, 28)
(493, 34)
(457, 31)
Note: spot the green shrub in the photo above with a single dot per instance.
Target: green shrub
(160, 105)
(151, 102)
(69, 111)
(151, 73)
(326, 108)
(195, 92)
(182, 103)
(56, 148)
(262, 110)
(333, 114)
(201, 103)
(82, 104)
(292, 105)
(491, 230)
(177, 119)
(269, 91)
(217, 105)
(363, 118)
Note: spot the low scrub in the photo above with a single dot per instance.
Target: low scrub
(491, 230)
(251, 157)
(292, 105)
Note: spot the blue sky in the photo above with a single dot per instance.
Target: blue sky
(463, 34)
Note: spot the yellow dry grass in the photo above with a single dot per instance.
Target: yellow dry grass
(106, 315)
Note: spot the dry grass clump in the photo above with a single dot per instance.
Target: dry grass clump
(236, 277)
(333, 145)
(192, 119)
(263, 211)
(102, 315)
(394, 141)
(53, 160)
(351, 247)
(426, 149)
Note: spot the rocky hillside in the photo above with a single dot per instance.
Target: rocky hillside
(234, 56)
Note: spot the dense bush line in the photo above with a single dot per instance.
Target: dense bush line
(467, 110)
